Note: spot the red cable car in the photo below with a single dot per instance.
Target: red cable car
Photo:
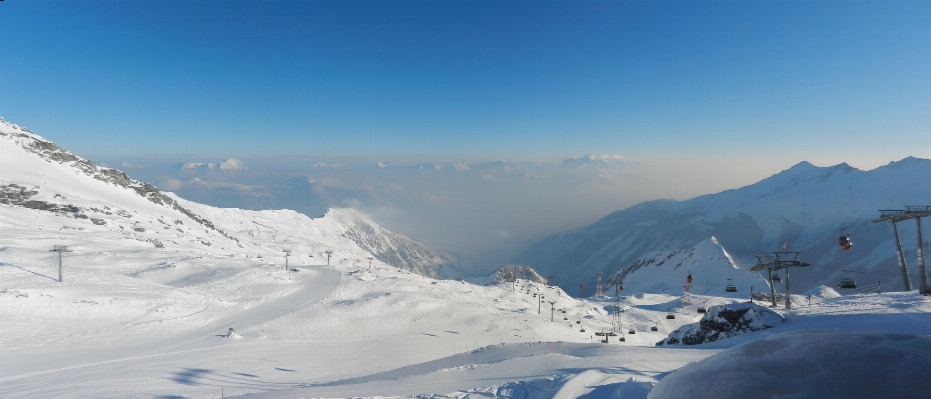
(844, 241)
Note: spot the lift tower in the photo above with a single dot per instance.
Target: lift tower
(781, 260)
(894, 216)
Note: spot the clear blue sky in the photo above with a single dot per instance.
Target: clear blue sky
(844, 81)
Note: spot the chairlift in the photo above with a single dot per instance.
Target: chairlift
(622, 339)
(701, 309)
(847, 282)
(670, 316)
(730, 288)
(776, 278)
(631, 331)
(582, 329)
(654, 328)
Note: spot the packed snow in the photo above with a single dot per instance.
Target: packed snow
(172, 299)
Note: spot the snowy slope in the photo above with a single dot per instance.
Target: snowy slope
(133, 319)
(711, 267)
(37, 174)
(804, 207)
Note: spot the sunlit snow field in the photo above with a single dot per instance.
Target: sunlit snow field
(133, 319)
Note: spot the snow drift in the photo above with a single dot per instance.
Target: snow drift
(809, 364)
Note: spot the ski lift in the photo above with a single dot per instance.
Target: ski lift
(582, 329)
(847, 282)
(701, 309)
(689, 278)
(670, 316)
(631, 331)
(844, 241)
(730, 288)
(654, 328)
(777, 278)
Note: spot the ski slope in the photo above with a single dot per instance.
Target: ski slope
(154, 284)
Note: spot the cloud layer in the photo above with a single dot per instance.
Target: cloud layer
(475, 207)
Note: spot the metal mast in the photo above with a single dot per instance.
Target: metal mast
(60, 249)
(766, 262)
(287, 253)
(920, 211)
(783, 260)
(894, 216)
(598, 290)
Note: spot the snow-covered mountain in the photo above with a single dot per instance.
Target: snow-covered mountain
(41, 178)
(710, 266)
(803, 208)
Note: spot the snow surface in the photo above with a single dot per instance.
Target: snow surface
(136, 320)
(809, 364)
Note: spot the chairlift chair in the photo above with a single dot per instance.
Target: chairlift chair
(654, 328)
(631, 331)
(777, 278)
(701, 309)
(730, 288)
(582, 329)
(621, 339)
(670, 316)
(847, 283)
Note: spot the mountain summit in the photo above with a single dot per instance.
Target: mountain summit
(802, 209)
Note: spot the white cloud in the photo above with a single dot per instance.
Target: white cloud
(231, 163)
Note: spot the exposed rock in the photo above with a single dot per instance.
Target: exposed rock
(511, 272)
(725, 321)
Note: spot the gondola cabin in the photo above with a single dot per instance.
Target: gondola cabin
(845, 243)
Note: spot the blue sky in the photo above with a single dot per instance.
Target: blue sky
(434, 80)
(690, 97)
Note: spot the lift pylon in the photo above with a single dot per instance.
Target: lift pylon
(781, 260)
(898, 215)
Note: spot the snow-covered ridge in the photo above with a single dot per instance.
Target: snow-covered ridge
(802, 208)
(40, 175)
(49, 151)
